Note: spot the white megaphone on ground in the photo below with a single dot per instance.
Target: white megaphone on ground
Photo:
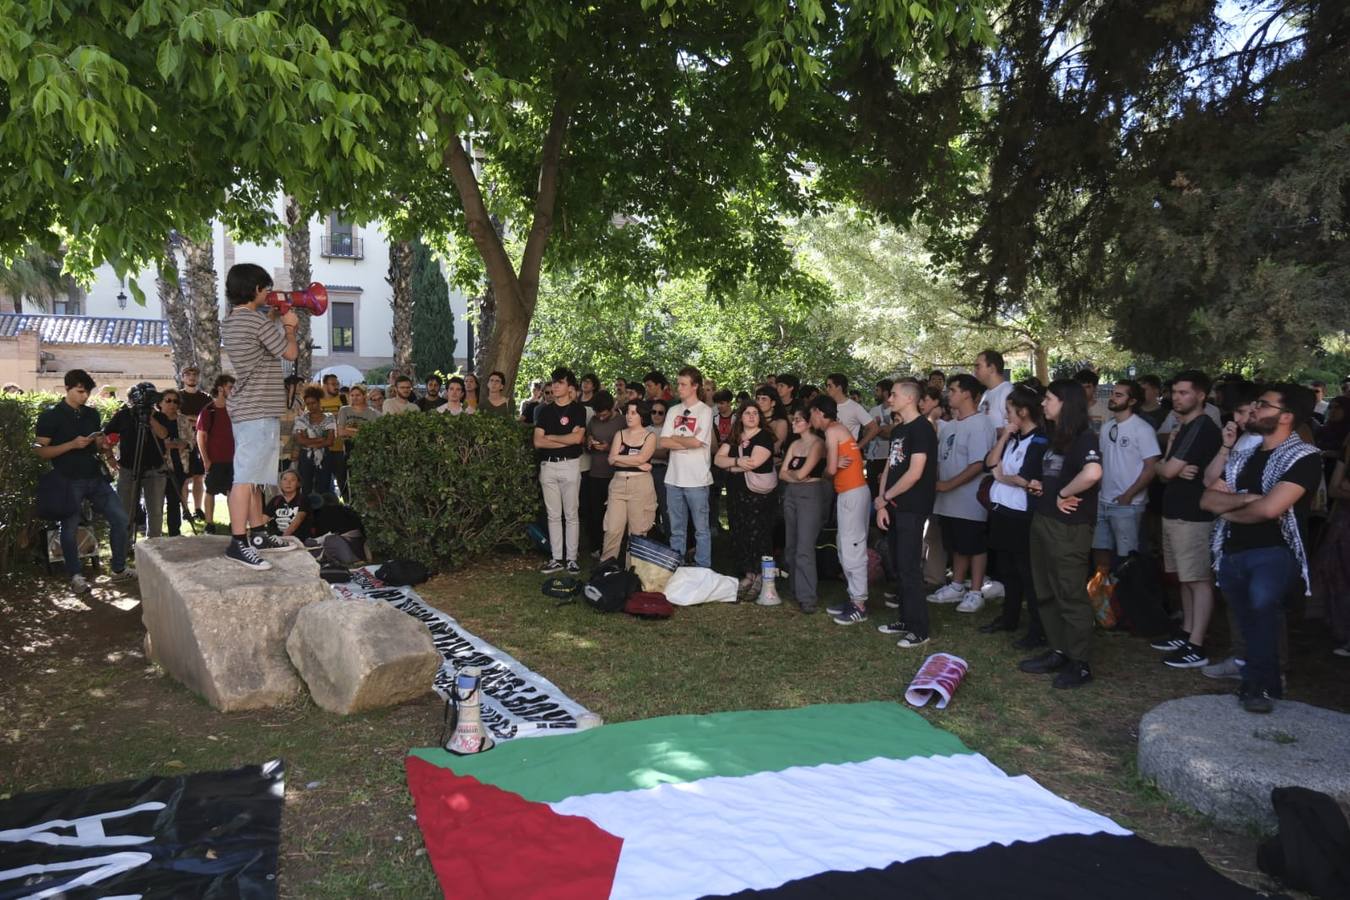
(768, 590)
(469, 735)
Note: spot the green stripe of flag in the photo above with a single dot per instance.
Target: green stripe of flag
(676, 749)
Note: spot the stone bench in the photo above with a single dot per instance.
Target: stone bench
(220, 628)
(1210, 755)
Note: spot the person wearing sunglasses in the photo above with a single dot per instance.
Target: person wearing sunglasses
(1129, 448)
(1261, 539)
(659, 460)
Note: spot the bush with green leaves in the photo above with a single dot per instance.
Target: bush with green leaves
(443, 490)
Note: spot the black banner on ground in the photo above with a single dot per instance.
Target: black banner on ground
(210, 834)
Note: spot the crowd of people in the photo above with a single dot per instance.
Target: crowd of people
(973, 490)
(978, 491)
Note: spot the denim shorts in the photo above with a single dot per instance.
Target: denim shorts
(256, 447)
(1118, 527)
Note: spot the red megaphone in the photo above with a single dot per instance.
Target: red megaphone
(313, 300)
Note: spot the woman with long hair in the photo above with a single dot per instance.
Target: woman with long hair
(747, 457)
(1061, 536)
(806, 502)
(1015, 462)
(632, 495)
(772, 414)
(471, 392)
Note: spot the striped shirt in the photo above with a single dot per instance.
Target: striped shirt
(255, 343)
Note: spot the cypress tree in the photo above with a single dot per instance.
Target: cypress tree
(433, 324)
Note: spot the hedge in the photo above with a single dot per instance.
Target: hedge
(443, 490)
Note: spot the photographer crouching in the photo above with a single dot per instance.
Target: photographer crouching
(70, 436)
(256, 342)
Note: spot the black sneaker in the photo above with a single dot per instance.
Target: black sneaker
(552, 567)
(244, 554)
(1030, 641)
(1188, 656)
(1075, 674)
(851, 614)
(896, 627)
(270, 543)
(995, 627)
(837, 609)
(572, 567)
(199, 516)
(1172, 642)
(1257, 702)
(1050, 661)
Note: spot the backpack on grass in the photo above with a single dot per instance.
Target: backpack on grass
(610, 585)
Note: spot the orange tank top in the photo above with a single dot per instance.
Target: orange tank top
(855, 476)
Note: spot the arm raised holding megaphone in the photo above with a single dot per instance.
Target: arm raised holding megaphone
(313, 300)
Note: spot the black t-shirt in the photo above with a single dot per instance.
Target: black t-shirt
(191, 403)
(123, 423)
(796, 462)
(1057, 470)
(558, 421)
(763, 438)
(283, 513)
(907, 439)
(1306, 473)
(62, 422)
(1196, 442)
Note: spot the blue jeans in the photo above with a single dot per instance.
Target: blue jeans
(1256, 582)
(683, 502)
(107, 504)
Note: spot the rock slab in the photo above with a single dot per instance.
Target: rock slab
(1210, 755)
(220, 628)
(357, 655)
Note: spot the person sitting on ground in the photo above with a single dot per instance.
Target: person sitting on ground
(215, 443)
(746, 457)
(806, 499)
(432, 399)
(69, 436)
(1061, 536)
(403, 400)
(454, 404)
(496, 403)
(631, 506)
(289, 510)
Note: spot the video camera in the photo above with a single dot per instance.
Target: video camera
(143, 397)
(313, 299)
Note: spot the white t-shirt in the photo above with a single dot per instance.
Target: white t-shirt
(962, 442)
(853, 417)
(994, 404)
(689, 468)
(879, 446)
(1124, 447)
(1172, 423)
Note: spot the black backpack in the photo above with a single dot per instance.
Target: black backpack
(610, 586)
(401, 572)
(1312, 850)
(1139, 593)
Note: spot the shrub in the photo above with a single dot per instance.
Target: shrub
(443, 489)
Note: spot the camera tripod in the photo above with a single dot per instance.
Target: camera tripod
(171, 481)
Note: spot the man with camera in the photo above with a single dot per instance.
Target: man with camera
(256, 343)
(141, 430)
(70, 437)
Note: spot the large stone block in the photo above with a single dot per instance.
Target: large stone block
(220, 628)
(1212, 756)
(357, 655)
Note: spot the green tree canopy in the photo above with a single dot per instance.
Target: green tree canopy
(433, 322)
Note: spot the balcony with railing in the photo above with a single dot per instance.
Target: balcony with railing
(341, 245)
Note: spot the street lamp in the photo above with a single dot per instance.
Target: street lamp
(121, 299)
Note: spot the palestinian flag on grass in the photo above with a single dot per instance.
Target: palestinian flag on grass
(864, 800)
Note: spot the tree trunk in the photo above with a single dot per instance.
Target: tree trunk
(1042, 363)
(400, 279)
(297, 242)
(174, 306)
(203, 305)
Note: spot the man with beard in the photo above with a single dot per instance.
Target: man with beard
(1186, 526)
(1129, 449)
(433, 398)
(1260, 543)
(192, 400)
(403, 399)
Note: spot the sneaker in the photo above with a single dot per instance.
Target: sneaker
(995, 627)
(1030, 641)
(992, 590)
(270, 543)
(243, 553)
(572, 568)
(1229, 668)
(552, 567)
(1047, 662)
(199, 516)
(1188, 656)
(838, 609)
(808, 608)
(1173, 642)
(896, 627)
(125, 574)
(79, 584)
(972, 603)
(852, 614)
(911, 641)
(951, 592)
(1257, 702)
(1075, 674)
(1343, 650)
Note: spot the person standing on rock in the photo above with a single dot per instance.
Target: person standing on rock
(256, 342)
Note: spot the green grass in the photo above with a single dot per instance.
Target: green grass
(84, 706)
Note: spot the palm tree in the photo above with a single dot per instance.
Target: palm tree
(36, 276)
